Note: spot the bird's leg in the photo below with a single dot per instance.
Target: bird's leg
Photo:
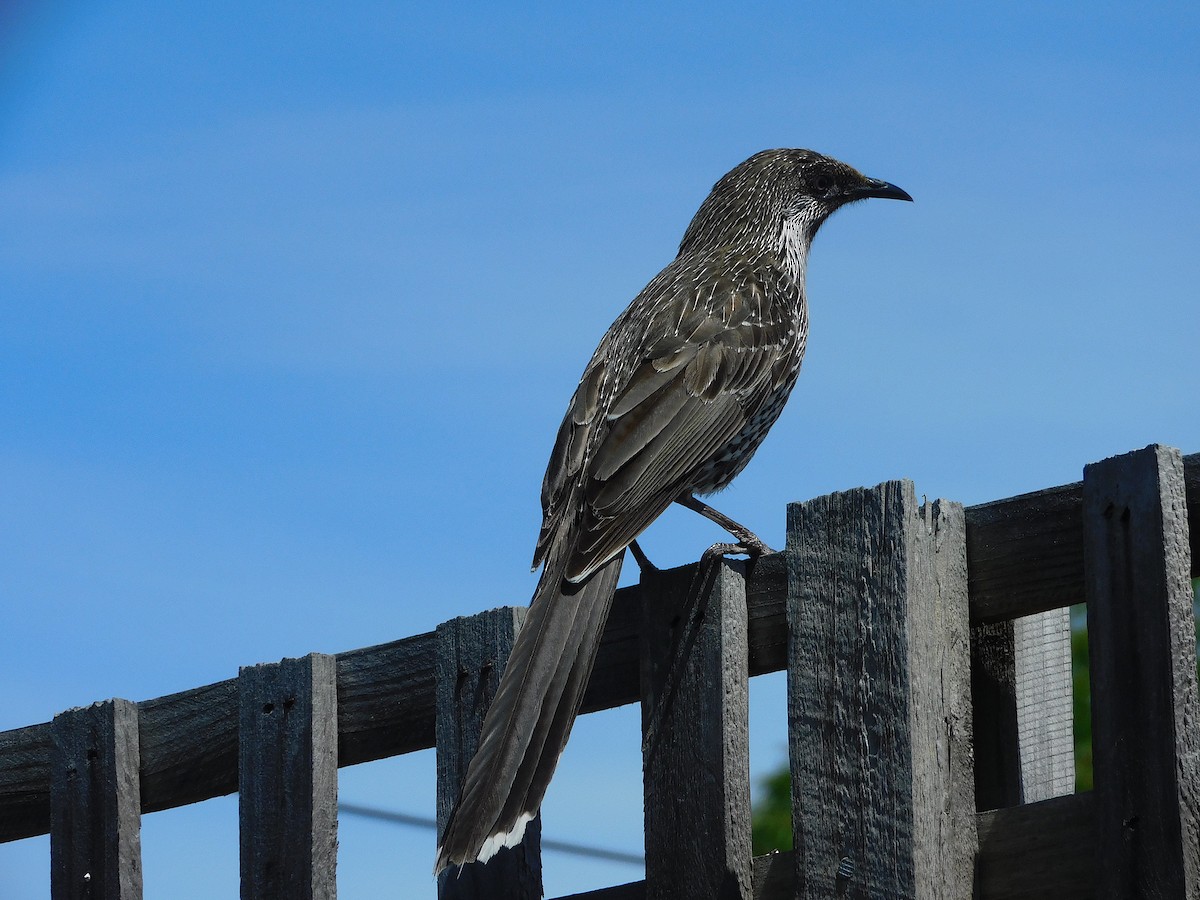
(642, 559)
(748, 542)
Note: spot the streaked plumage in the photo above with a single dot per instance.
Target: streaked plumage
(680, 393)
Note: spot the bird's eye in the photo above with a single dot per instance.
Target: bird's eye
(822, 183)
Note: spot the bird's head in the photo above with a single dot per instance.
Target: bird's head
(776, 191)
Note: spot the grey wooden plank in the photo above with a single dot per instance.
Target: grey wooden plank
(614, 680)
(471, 654)
(1038, 851)
(1045, 712)
(287, 764)
(766, 602)
(190, 739)
(1026, 554)
(773, 880)
(1022, 694)
(879, 706)
(95, 833)
(634, 890)
(386, 699)
(1145, 741)
(695, 732)
(25, 781)
(189, 745)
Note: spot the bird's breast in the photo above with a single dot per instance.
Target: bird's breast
(727, 463)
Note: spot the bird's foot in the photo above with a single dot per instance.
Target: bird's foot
(643, 561)
(753, 548)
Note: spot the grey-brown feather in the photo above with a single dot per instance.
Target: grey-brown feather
(676, 399)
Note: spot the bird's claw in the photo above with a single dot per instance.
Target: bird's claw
(753, 548)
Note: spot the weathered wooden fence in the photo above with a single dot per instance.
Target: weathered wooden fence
(929, 710)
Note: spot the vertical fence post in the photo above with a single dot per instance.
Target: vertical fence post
(695, 732)
(95, 803)
(1145, 713)
(471, 654)
(287, 779)
(879, 706)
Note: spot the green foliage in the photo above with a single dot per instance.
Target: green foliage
(1082, 694)
(772, 826)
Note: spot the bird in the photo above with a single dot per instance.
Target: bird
(677, 397)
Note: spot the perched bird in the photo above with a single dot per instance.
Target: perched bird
(674, 402)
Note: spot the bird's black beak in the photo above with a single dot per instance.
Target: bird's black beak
(873, 187)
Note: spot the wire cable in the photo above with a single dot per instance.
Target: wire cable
(399, 818)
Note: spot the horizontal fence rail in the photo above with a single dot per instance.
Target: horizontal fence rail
(1026, 556)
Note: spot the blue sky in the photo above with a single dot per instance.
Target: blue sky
(294, 296)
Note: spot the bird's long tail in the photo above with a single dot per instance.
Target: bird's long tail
(527, 725)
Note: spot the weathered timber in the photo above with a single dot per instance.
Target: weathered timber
(95, 820)
(1039, 851)
(385, 708)
(189, 745)
(1022, 697)
(287, 765)
(773, 880)
(471, 654)
(189, 740)
(695, 733)
(879, 706)
(1026, 552)
(634, 890)
(766, 601)
(994, 713)
(775, 876)
(1045, 711)
(614, 680)
(25, 781)
(385, 699)
(1018, 565)
(1145, 710)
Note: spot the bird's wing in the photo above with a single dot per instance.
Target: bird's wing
(677, 378)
